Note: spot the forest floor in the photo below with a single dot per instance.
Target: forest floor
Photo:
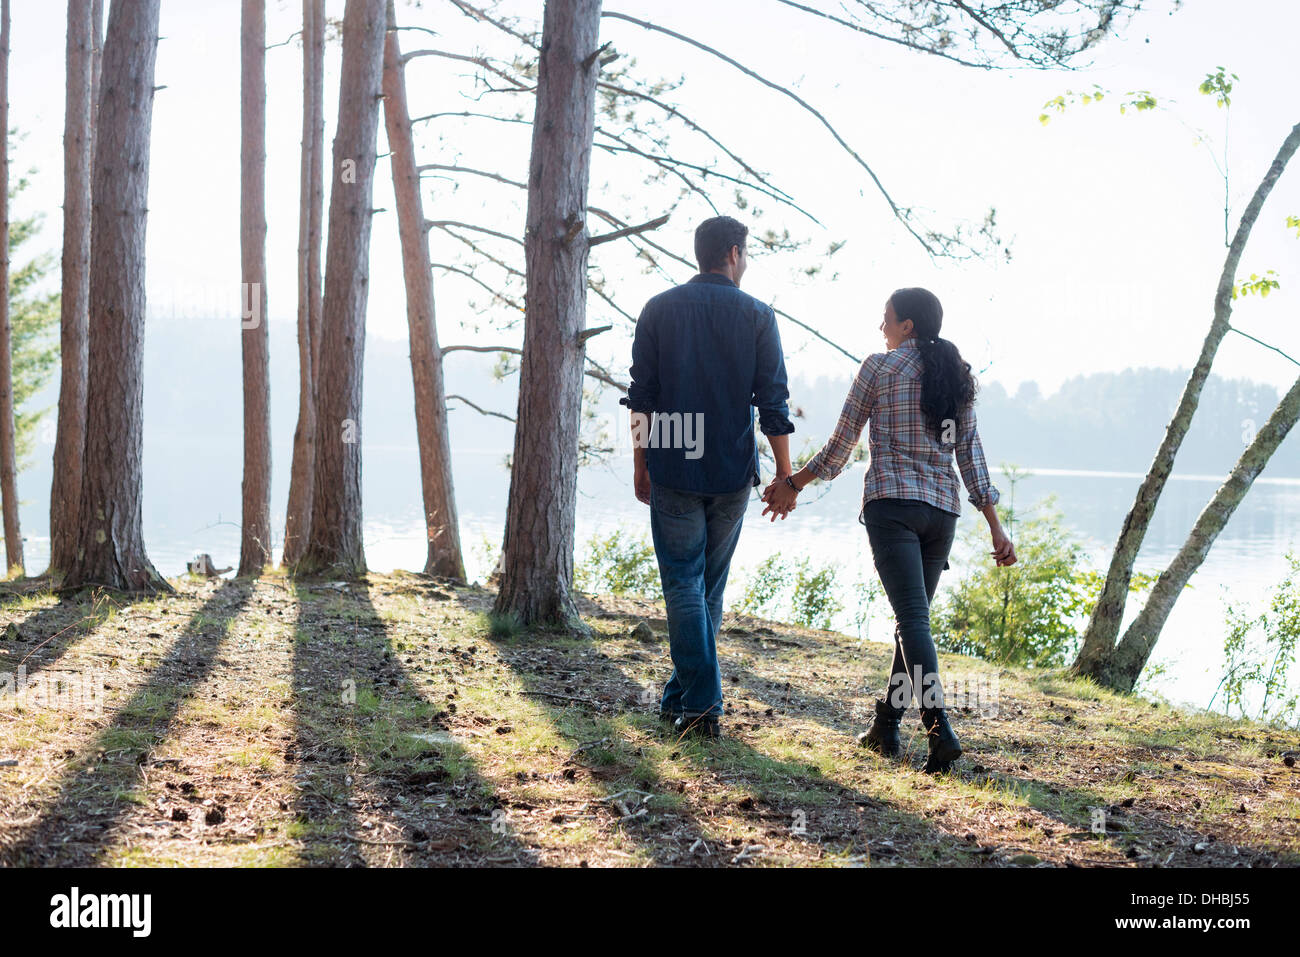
(274, 723)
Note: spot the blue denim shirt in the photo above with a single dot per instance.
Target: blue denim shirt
(704, 357)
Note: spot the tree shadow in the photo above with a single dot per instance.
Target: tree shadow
(787, 800)
(378, 772)
(37, 640)
(100, 782)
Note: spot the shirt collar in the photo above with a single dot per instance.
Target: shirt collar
(714, 277)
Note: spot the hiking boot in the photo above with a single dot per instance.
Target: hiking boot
(698, 726)
(882, 737)
(944, 746)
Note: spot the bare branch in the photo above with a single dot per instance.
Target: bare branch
(898, 212)
(445, 224)
(474, 13)
(1232, 328)
(474, 172)
(293, 36)
(473, 115)
(901, 41)
(482, 411)
(500, 296)
(481, 62)
(807, 328)
(691, 124)
(629, 231)
(674, 166)
(597, 371)
(513, 350)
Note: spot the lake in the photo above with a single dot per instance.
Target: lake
(185, 515)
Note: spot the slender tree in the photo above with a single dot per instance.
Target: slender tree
(1125, 665)
(8, 438)
(84, 17)
(335, 542)
(255, 538)
(110, 540)
(311, 206)
(441, 525)
(537, 556)
(1096, 656)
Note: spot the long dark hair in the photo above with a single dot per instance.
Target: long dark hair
(947, 385)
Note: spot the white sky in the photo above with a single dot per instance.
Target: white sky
(1116, 220)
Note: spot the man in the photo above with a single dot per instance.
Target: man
(704, 357)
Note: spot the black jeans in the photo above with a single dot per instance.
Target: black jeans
(910, 542)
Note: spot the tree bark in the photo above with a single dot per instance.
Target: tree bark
(78, 137)
(1125, 666)
(335, 543)
(297, 523)
(8, 438)
(255, 528)
(442, 527)
(255, 538)
(1094, 659)
(537, 554)
(110, 539)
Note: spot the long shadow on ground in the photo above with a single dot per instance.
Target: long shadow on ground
(369, 791)
(99, 782)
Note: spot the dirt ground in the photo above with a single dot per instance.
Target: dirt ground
(380, 723)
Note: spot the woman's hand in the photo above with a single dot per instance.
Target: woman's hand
(780, 499)
(1004, 553)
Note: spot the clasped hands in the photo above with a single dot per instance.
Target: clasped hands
(780, 498)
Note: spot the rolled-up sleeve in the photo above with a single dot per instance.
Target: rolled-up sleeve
(835, 454)
(643, 390)
(771, 391)
(970, 459)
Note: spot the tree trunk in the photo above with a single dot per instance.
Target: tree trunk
(1103, 626)
(441, 524)
(537, 554)
(78, 137)
(297, 523)
(110, 539)
(334, 545)
(1130, 657)
(8, 439)
(255, 529)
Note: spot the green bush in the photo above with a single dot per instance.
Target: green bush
(765, 587)
(1259, 651)
(618, 564)
(1029, 613)
(780, 587)
(813, 603)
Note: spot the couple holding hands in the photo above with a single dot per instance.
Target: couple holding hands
(709, 350)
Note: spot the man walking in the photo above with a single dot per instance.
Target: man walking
(704, 357)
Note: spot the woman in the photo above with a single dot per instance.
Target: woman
(919, 398)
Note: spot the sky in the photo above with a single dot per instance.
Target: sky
(1115, 221)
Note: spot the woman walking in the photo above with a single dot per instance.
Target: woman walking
(919, 400)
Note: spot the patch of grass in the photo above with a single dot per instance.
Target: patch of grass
(504, 625)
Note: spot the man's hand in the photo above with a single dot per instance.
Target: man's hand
(641, 483)
(780, 499)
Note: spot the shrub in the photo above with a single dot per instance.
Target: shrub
(1029, 613)
(1258, 653)
(618, 564)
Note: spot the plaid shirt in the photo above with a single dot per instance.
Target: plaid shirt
(906, 459)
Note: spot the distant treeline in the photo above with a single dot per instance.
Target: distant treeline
(1109, 421)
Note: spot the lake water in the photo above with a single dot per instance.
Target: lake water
(1248, 560)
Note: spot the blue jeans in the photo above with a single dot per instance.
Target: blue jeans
(910, 542)
(694, 538)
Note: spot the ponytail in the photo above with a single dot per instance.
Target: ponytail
(947, 385)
